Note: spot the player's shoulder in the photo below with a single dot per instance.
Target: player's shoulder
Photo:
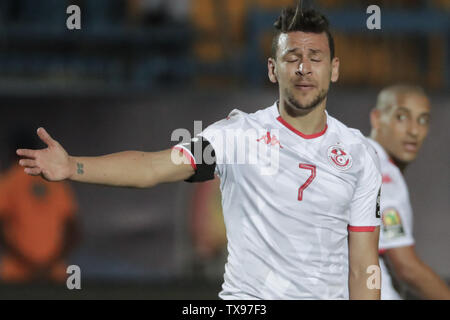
(356, 141)
(347, 134)
(233, 120)
(392, 176)
(241, 119)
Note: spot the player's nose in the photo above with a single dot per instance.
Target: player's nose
(304, 68)
(413, 128)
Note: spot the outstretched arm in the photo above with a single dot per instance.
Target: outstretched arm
(419, 276)
(126, 169)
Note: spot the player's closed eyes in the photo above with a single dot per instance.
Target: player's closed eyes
(292, 58)
(295, 59)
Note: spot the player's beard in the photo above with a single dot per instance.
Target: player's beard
(297, 108)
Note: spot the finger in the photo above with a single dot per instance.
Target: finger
(26, 153)
(33, 171)
(28, 163)
(45, 137)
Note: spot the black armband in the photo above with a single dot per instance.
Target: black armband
(204, 157)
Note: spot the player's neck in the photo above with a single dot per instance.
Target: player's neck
(308, 123)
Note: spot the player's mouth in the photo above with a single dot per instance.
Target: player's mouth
(411, 146)
(304, 86)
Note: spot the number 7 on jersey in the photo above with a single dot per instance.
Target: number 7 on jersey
(311, 168)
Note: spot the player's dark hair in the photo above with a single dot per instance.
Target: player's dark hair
(295, 19)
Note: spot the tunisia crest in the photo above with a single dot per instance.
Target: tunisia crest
(339, 158)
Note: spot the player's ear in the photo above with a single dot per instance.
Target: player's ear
(375, 118)
(335, 69)
(271, 66)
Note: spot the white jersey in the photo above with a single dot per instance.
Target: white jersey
(396, 216)
(287, 224)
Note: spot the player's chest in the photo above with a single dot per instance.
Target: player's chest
(323, 176)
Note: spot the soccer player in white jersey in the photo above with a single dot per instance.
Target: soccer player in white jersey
(400, 124)
(301, 225)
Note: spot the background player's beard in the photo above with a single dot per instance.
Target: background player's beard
(296, 107)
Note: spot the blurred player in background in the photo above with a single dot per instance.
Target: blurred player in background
(400, 123)
(308, 230)
(37, 224)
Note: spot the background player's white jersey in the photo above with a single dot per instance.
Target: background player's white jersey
(287, 227)
(396, 215)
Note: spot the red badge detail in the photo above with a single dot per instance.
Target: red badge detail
(272, 140)
(339, 158)
(386, 178)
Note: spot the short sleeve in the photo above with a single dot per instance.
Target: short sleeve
(201, 155)
(365, 205)
(214, 149)
(215, 135)
(396, 219)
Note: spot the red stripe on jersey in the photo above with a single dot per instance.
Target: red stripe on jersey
(383, 251)
(187, 155)
(361, 229)
(305, 136)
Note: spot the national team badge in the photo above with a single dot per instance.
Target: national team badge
(339, 158)
(392, 224)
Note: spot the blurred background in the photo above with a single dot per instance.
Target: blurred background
(139, 69)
